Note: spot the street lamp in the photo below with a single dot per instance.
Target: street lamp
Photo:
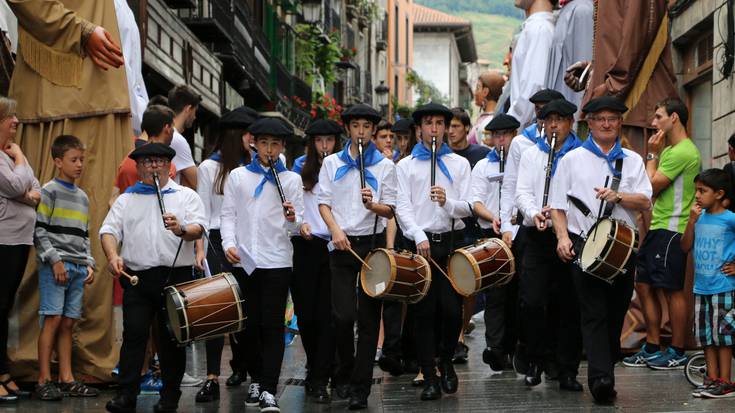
(312, 11)
(381, 91)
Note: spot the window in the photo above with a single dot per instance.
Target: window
(395, 36)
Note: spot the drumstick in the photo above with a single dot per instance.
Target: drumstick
(133, 278)
(359, 259)
(599, 212)
(438, 267)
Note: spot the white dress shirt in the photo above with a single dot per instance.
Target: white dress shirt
(486, 182)
(183, 159)
(206, 178)
(135, 221)
(343, 196)
(580, 171)
(530, 185)
(312, 215)
(417, 213)
(507, 201)
(259, 224)
(530, 59)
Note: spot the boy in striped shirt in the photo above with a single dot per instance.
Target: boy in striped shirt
(65, 266)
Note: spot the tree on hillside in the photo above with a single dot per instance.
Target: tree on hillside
(501, 7)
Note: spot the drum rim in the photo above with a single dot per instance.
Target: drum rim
(475, 270)
(476, 267)
(236, 291)
(608, 248)
(390, 282)
(179, 302)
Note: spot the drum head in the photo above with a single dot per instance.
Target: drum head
(594, 246)
(379, 278)
(462, 272)
(175, 310)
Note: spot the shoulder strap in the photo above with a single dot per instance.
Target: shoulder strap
(615, 185)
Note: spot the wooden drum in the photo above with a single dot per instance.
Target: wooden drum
(608, 247)
(397, 276)
(487, 263)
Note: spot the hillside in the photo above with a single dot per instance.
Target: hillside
(493, 22)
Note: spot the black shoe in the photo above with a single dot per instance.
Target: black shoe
(520, 363)
(343, 391)
(121, 404)
(603, 390)
(432, 390)
(321, 395)
(208, 392)
(493, 358)
(449, 379)
(460, 354)
(533, 375)
(167, 404)
(391, 365)
(569, 383)
(357, 402)
(411, 366)
(551, 370)
(236, 379)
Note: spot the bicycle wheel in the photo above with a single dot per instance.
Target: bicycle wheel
(696, 369)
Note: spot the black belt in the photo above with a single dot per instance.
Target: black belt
(438, 238)
(360, 239)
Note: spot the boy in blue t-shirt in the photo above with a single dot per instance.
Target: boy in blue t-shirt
(711, 231)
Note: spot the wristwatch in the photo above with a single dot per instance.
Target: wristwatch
(651, 156)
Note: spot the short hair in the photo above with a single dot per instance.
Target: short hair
(675, 105)
(731, 141)
(181, 96)
(155, 118)
(716, 179)
(494, 81)
(158, 100)
(63, 143)
(462, 115)
(383, 125)
(7, 107)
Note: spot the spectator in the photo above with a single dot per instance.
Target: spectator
(66, 265)
(19, 195)
(384, 139)
(487, 92)
(730, 169)
(184, 101)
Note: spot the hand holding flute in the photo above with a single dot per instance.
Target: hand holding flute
(545, 210)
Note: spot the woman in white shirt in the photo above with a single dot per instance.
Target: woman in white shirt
(310, 284)
(232, 151)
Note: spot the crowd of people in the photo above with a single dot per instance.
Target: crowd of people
(429, 183)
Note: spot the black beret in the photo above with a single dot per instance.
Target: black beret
(271, 126)
(545, 95)
(561, 106)
(502, 121)
(402, 125)
(361, 111)
(431, 109)
(323, 127)
(605, 102)
(153, 149)
(237, 118)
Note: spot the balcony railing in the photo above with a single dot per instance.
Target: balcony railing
(181, 4)
(210, 20)
(302, 90)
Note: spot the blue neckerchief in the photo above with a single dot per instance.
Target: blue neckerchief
(145, 189)
(530, 133)
(298, 164)
(615, 154)
(571, 142)
(396, 154)
(423, 153)
(68, 185)
(371, 156)
(256, 168)
(493, 155)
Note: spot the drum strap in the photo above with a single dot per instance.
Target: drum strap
(615, 185)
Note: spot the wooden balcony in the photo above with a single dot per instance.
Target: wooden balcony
(181, 4)
(210, 20)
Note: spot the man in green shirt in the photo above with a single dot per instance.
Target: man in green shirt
(661, 262)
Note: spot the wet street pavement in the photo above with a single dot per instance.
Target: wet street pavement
(639, 390)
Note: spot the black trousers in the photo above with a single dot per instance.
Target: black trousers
(549, 305)
(438, 316)
(350, 303)
(311, 292)
(602, 308)
(266, 292)
(142, 304)
(501, 304)
(13, 259)
(218, 264)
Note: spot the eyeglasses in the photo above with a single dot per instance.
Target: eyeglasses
(608, 119)
(148, 162)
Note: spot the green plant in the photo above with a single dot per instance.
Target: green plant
(325, 107)
(426, 90)
(403, 110)
(314, 55)
(367, 8)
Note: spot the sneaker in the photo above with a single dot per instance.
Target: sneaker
(253, 398)
(669, 360)
(721, 390)
(641, 358)
(268, 403)
(188, 381)
(708, 383)
(151, 384)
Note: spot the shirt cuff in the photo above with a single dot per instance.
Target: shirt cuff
(506, 227)
(419, 236)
